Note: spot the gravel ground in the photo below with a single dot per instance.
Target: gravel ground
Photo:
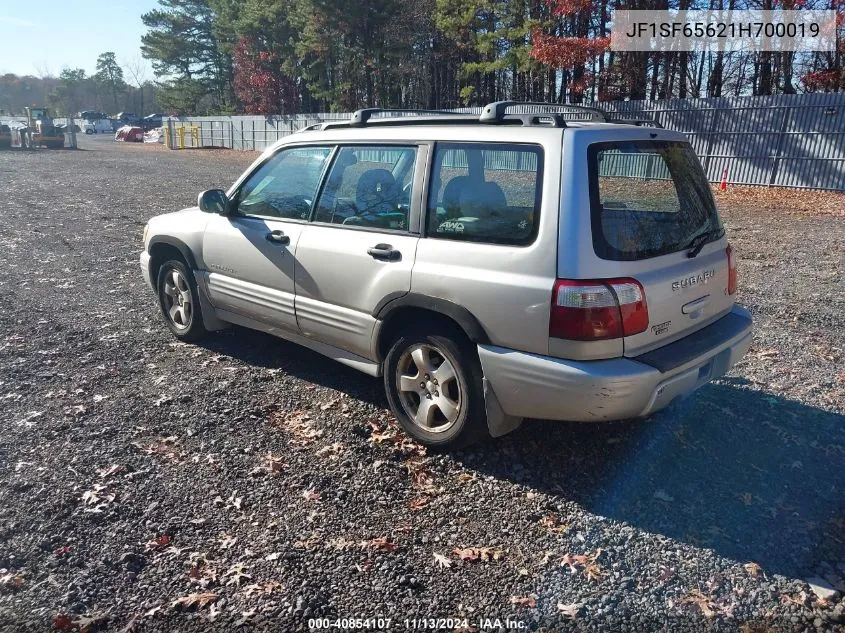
(149, 485)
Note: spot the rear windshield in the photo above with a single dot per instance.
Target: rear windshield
(648, 198)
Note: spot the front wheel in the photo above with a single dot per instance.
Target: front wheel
(178, 297)
(433, 383)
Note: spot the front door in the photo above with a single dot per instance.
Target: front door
(250, 254)
(361, 245)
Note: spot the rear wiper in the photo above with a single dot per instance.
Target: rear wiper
(698, 241)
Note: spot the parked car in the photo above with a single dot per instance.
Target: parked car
(93, 115)
(127, 118)
(99, 126)
(488, 268)
(151, 121)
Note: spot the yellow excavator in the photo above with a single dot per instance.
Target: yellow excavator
(38, 131)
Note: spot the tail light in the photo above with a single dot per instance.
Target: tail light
(597, 309)
(731, 270)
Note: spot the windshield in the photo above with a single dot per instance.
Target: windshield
(648, 198)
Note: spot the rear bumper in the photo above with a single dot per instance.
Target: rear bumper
(533, 386)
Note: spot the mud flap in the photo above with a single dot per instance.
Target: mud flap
(498, 422)
(209, 314)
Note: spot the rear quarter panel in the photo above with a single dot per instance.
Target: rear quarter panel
(507, 288)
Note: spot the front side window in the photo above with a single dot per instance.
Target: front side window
(649, 198)
(285, 185)
(485, 192)
(370, 187)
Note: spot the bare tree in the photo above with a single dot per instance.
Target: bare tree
(42, 70)
(136, 68)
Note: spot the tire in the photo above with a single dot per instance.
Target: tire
(89, 131)
(179, 300)
(455, 416)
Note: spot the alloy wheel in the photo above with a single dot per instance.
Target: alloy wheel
(429, 388)
(178, 300)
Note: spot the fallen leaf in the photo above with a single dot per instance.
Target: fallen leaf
(227, 541)
(594, 571)
(194, 600)
(246, 616)
(311, 495)
(587, 563)
(108, 472)
(747, 498)
(704, 603)
(553, 524)
(271, 465)
(442, 560)
(569, 610)
(418, 503)
(236, 574)
(380, 543)
(62, 622)
(85, 623)
(235, 502)
(753, 569)
(478, 554)
(10, 581)
(159, 542)
(266, 588)
(526, 601)
(802, 600)
(665, 573)
(332, 450)
(213, 612)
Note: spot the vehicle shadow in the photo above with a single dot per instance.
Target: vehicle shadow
(264, 350)
(751, 475)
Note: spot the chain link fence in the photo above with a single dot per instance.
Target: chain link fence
(778, 141)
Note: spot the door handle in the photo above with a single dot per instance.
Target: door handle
(694, 306)
(279, 237)
(384, 252)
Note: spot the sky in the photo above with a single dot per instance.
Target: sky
(45, 36)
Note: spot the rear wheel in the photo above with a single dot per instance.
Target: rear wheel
(178, 297)
(433, 384)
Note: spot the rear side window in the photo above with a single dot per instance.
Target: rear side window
(648, 198)
(485, 192)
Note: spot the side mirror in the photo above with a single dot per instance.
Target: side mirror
(213, 201)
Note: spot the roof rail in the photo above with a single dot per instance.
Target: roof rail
(637, 122)
(360, 117)
(495, 112)
(313, 126)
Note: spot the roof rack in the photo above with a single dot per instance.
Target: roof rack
(360, 117)
(553, 114)
(496, 112)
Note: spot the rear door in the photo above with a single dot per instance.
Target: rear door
(360, 247)
(653, 218)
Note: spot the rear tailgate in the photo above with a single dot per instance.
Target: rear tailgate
(653, 219)
(683, 295)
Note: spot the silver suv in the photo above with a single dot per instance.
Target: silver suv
(490, 268)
